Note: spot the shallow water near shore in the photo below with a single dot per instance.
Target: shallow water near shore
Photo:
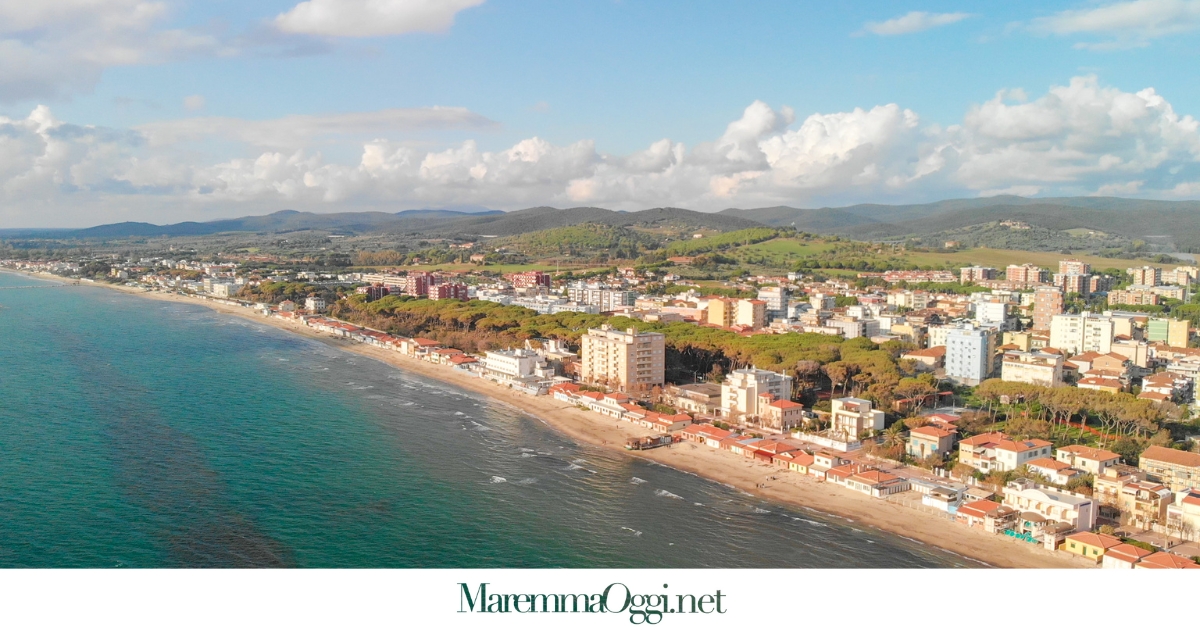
(139, 433)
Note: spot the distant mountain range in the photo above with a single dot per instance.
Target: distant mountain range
(1176, 222)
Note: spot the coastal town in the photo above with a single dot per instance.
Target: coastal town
(1000, 409)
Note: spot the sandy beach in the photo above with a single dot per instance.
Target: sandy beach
(721, 466)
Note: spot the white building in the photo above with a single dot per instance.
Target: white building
(314, 304)
(1077, 511)
(849, 417)
(968, 355)
(991, 313)
(742, 393)
(516, 365)
(1075, 334)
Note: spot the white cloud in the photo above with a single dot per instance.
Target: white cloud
(1075, 139)
(294, 132)
(1129, 24)
(60, 47)
(914, 22)
(371, 18)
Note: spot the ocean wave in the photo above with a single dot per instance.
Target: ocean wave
(459, 413)
(498, 479)
(528, 455)
(634, 481)
(526, 481)
(761, 511)
(526, 450)
(669, 495)
(630, 529)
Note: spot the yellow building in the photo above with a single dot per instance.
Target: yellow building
(721, 312)
(1089, 545)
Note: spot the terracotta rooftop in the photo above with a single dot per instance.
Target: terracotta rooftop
(1172, 456)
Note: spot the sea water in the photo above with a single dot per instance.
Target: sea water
(142, 433)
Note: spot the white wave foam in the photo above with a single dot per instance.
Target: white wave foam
(634, 481)
(459, 413)
(574, 467)
(630, 529)
(528, 455)
(498, 480)
(669, 495)
(761, 511)
(526, 481)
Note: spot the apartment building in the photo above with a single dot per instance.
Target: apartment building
(747, 392)
(776, 299)
(1178, 470)
(968, 355)
(1145, 275)
(1074, 267)
(721, 312)
(1173, 332)
(1086, 458)
(449, 291)
(314, 304)
(627, 361)
(751, 314)
(1047, 302)
(1074, 283)
(1027, 274)
(977, 274)
(417, 283)
(1084, 332)
(528, 279)
(605, 299)
(1136, 297)
(1035, 368)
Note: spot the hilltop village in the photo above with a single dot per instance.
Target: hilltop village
(976, 396)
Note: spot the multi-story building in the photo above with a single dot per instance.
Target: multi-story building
(1027, 274)
(394, 283)
(1173, 332)
(1072, 266)
(1143, 298)
(968, 355)
(1047, 302)
(1179, 470)
(1074, 283)
(627, 361)
(747, 392)
(450, 291)
(850, 417)
(529, 279)
(1145, 275)
(1183, 516)
(1036, 368)
(977, 274)
(776, 299)
(607, 300)
(721, 312)
(314, 304)
(991, 312)
(417, 283)
(1084, 332)
(751, 314)
(376, 292)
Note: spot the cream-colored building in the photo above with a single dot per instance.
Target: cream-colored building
(1077, 511)
(1084, 332)
(1179, 470)
(623, 360)
(747, 392)
(751, 313)
(721, 312)
(1036, 368)
(850, 417)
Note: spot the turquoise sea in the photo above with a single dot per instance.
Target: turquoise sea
(138, 433)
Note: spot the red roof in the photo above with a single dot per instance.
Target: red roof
(978, 509)
(1164, 560)
(786, 404)
(1127, 552)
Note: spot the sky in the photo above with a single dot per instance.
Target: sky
(173, 110)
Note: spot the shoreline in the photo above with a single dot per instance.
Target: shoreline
(758, 479)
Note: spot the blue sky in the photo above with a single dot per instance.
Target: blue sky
(170, 110)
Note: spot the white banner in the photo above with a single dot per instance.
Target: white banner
(608, 598)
